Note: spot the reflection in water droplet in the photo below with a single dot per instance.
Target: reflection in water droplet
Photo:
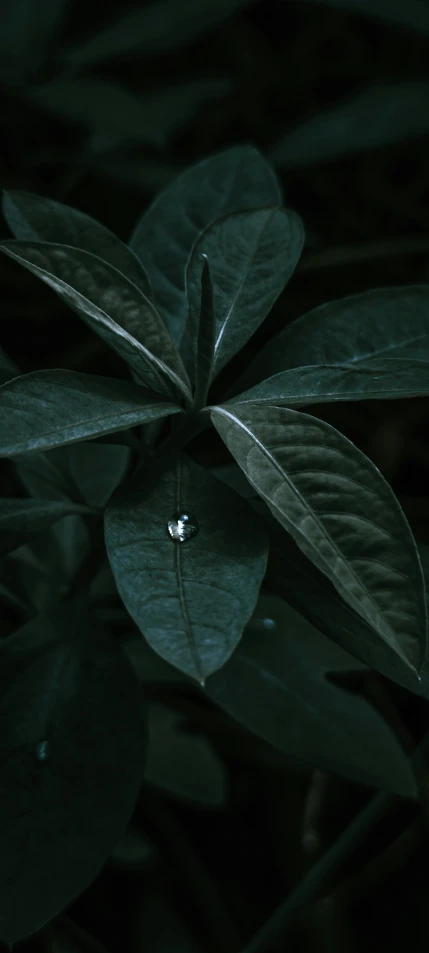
(419, 678)
(182, 526)
(43, 750)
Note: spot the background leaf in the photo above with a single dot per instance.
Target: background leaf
(372, 118)
(277, 685)
(72, 753)
(340, 511)
(163, 238)
(251, 255)
(22, 519)
(191, 600)
(45, 409)
(413, 14)
(111, 305)
(27, 31)
(35, 218)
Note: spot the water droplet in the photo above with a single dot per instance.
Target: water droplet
(182, 526)
(43, 750)
(419, 678)
(262, 625)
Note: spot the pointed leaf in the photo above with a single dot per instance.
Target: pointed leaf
(318, 384)
(163, 238)
(372, 328)
(341, 512)
(154, 28)
(205, 322)
(374, 117)
(252, 255)
(112, 306)
(72, 758)
(46, 409)
(191, 600)
(22, 519)
(277, 686)
(34, 218)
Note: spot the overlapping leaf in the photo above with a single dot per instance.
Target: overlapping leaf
(72, 752)
(50, 408)
(252, 255)
(340, 511)
(21, 519)
(235, 179)
(276, 685)
(191, 600)
(112, 306)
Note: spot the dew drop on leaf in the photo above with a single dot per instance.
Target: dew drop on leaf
(182, 526)
(43, 750)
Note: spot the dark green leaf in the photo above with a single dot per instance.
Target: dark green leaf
(68, 937)
(134, 852)
(276, 685)
(72, 757)
(8, 368)
(191, 600)
(27, 31)
(341, 512)
(413, 14)
(182, 763)
(46, 409)
(35, 218)
(318, 384)
(205, 320)
(97, 469)
(21, 519)
(252, 255)
(375, 117)
(108, 109)
(161, 26)
(372, 328)
(112, 306)
(163, 238)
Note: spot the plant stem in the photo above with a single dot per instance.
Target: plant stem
(310, 888)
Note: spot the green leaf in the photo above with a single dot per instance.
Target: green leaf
(21, 519)
(372, 328)
(157, 28)
(27, 31)
(191, 600)
(413, 14)
(8, 368)
(72, 754)
(205, 320)
(293, 576)
(35, 218)
(46, 409)
(377, 116)
(390, 378)
(278, 686)
(163, 238)
(112, 306)
(97, 469)
(341, 512)
(183, 764)
(110, 110)
(252, 255)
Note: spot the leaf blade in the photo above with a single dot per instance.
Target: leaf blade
(21, 519)
(340, 511)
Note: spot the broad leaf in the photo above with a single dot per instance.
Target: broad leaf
(163, 238)
(374, 117)
(390, 378)
(252, 255)
(21, 519)
(278, 686)
(72, 754)
(112, 306)
(413, 14)
(293, 576)
(372, 328)
(27, 31)
(84, 472)
(157, 28)
(341, 512)
(34, 218)
(112, 111)
(46, 409)
(190, 599)
(204, 318)
(181, 763)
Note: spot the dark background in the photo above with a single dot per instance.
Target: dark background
(363, 193)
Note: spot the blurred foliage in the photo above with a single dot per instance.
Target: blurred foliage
(100, 107)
